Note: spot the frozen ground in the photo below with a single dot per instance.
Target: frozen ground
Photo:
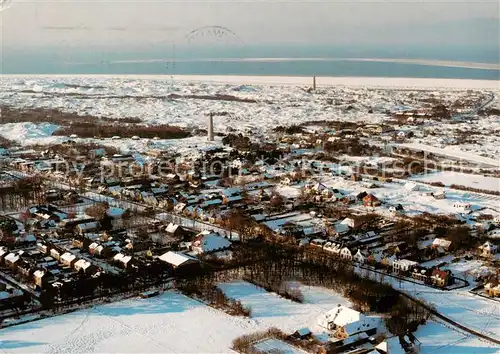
(436, 338)
(464, 179)
(279, 101)
(173, 323)
(170, 323)
(301, 80)
(453, 152)
(472, 311)
(415, 202)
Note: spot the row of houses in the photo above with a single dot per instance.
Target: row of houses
(433, 275)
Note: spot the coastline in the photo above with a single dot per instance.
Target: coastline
(321, 81)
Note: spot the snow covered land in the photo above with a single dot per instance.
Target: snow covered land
(174, 323)
(275, 101)
(170, 323)
(314, 184)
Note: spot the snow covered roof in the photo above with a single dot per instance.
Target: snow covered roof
(82, 264)
(440, 242)
(12, 257)
(39, 273)
(68, 257)
(341, 228)
(88, 226)
(171, 228)
(352, 321)
(348, 221)
(211, 242)
(176, 258)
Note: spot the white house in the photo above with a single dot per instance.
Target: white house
(346, 322)
(488, 249)
(403, 265)
(411, 186)
(68, 259)
(345, 253)
(177, 259)
(359, 257)
(349, 222)
(82, 264)
(463, 207)
(441, 243)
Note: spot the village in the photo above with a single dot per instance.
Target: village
(85, 223)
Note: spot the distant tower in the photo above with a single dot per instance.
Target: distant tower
(211, 127)
(314, 82)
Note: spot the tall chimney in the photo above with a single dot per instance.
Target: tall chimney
(210, 127)
(314, 82)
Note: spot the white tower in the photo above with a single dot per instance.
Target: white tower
(210, 127)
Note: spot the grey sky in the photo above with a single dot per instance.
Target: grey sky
(140, 23)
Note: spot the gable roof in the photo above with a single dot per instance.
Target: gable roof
(176, 258)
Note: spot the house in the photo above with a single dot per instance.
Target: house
(371, 201)
(3, 252)
(179, 260)
(341, 228)
(488, 249)
(441, 278)
(462, 207)
(396, 209)
(439, 195)
(349, 222)
(359, 257)
(441, 244)
(208, 242)
(87, 227)
(403, 265)
(411, 186)
(345, 253)
(55, 254)
(68, 259)
(11, 260)
(123, 260)
(41, 278)
(302, 333)
(93, 247)
(388, 261)
(82, 265)
(345, 322)
(492, 287)
(174, 230)
(356, 177)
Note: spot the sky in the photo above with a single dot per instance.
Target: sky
(143, 23)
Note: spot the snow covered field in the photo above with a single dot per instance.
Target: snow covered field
(388, 82)
(415, 202)
(474, 181)
(170, 323)
(455, 153)
(173, 323)
(472, 311)
(437, 338)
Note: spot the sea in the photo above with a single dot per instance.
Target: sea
(277, 60)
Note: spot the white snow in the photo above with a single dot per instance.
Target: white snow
(295, 80)
(436, 338)
(463, 179)
(462, 155)
(169, 323)
(30, 133)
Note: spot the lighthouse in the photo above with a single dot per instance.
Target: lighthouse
(210, 127)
